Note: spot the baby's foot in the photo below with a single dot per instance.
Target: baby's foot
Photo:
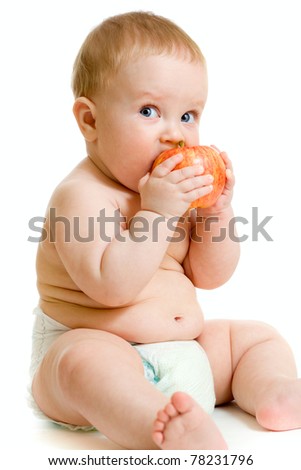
(279, 407)
(183, 424)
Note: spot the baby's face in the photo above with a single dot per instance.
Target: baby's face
(152, 104)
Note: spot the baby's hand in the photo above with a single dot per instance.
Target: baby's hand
(224, 201)
(169, 192)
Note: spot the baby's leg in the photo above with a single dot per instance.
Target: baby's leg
(253, 364)
(90, 377)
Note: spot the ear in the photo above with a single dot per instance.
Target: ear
(84, 111)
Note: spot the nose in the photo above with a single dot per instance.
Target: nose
(172, 134)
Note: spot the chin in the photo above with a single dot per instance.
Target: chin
(131, 185)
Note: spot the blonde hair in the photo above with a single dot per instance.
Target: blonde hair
(121, 38)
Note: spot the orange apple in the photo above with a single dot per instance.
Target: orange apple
(213, 165)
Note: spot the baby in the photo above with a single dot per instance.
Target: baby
(119, 341)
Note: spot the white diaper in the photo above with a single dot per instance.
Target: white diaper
(45, 331)
(180, 366)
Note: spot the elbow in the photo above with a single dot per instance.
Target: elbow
(119, 296)
(116, 301)
(111, 296)
(211, 283)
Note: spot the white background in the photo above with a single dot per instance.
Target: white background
(253, 111)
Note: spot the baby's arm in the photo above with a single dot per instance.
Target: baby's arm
(113, 270)
(109, 268)
(214, 251)
(128, 264)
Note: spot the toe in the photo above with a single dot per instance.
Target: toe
(182, 402)
(158, 425)
(171, 410)
(157, 438)
(162, 416)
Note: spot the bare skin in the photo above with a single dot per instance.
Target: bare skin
(111, 292)
(182, 424)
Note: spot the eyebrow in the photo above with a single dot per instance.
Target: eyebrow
(155, 96)
(149, 94)
(199, 103)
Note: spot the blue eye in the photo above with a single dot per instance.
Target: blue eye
(149, 112)
(187, 117)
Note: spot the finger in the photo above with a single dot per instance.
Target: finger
(167, 166)
(196, 182)
(186, 172)
(142, 181)
(197, 193)
(230, 179)
(215, 148)
(226, 160)
(224, 156)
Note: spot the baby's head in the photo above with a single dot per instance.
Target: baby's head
(123, 38)
(140, 85)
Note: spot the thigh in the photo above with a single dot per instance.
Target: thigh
(216, 341)
(226, 342)
(79, 345)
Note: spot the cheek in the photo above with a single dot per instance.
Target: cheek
(126, 165)
(193, 137)
(128, 151)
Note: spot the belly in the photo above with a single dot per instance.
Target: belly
(166, 310)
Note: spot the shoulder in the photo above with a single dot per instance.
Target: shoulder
(85, 190)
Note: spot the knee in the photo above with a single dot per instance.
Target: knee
(252, 332)
(272, 415)
(266, 328)
(74, 362)
(86, 355)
